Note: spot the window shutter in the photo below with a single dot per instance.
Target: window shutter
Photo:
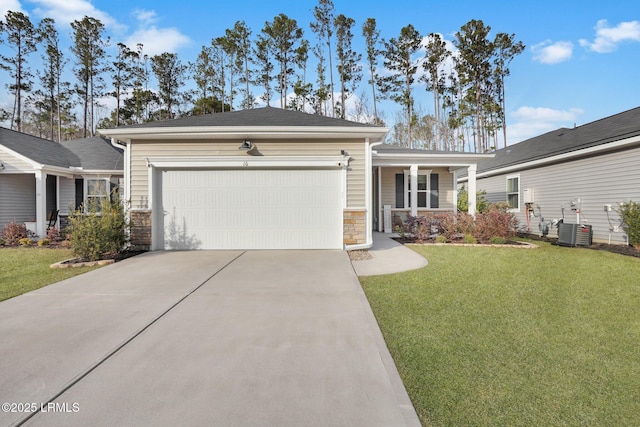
(399, 190)
(435, 191)
(79, 192)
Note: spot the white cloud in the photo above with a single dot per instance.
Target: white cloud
(608, 38)
(7, 5)
(552, 53)
(146, 17)
(158, 40)
(153, 39)
(534, 121)
(67, 11)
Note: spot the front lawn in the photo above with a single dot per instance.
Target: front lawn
(515, 337)
(25, 269)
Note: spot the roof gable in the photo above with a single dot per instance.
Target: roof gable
(39, 150)
(266, 116)
(89, 153)
(96, 153)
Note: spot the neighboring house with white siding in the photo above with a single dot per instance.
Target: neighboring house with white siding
(40, 177)
(570, 174)
(269, 178)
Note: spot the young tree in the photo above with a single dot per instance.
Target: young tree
(285, 35)
(349, 67)
(372, 40)
(22, 37)
(89, 51)
(399, 60)
(505, 50)
(170, 74)
(323, 27)
(436, 54)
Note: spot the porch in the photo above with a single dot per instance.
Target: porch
(410, 182)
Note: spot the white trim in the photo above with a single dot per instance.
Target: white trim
(246, 132)
(472, 198)
(408, 175)
(380, 213)
(507, 178)
(41, 203)
(249, 162)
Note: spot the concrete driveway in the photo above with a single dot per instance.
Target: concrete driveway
(225, 338)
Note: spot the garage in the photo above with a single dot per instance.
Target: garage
(260, 208)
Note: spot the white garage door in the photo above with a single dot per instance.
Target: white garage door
(252, 209)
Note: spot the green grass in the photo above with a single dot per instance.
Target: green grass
(515, 337)
(25, 269)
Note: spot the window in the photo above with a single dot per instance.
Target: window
(97, 190)
(427, 190)
(513, 192)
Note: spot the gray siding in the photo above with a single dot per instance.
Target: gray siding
(596, 181)
(67, 195)
(17, 198)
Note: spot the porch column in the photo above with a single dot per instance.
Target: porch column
(413, 179)
(472, 188)
(41, 203)
(455, 190)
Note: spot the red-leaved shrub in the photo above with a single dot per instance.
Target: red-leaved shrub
(12, 233)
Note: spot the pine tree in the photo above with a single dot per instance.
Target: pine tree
(399, 60)
(323, 27)
(89, 51)
(372, 40)
(170, 74)
(349, 67)
(22, 37)
(285, 35)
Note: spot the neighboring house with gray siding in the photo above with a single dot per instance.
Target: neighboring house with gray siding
(575, 174)
(38, 177)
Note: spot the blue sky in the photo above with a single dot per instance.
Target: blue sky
(581, 62)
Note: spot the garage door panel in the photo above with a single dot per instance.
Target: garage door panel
(252, 209)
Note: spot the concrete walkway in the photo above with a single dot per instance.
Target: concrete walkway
(387, 257)
(216, 338)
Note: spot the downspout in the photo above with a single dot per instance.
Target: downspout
(367, 198)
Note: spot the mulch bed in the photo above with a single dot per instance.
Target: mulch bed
(618, 249)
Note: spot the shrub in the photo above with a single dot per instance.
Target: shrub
(495, 240)
(470, 239)
(99, 231)
(440, 239)
(495, 223)
(453, 227)
(12, 233)
(630, 214)
(2, 242)
(53, 234)
(43, 242)
(25, 241)
(463, 200)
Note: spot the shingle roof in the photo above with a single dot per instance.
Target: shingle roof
(90, 153)
(96, 153)
(37, 149)
(565, 140)
(266, 116)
